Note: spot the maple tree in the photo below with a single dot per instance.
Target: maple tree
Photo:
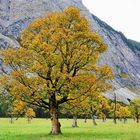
(18, 108)
(30, 114)
(97, 106)
(103, 107)
(123, 112)
(56, 63)
(135, 109)
(75, 108)
(114, 111)
(72, 108)
(114, 107)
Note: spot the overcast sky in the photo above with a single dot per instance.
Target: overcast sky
(122, 15)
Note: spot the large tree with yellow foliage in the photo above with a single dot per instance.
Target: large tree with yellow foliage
(56, 63)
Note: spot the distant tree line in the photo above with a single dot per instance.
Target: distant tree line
(98, 107)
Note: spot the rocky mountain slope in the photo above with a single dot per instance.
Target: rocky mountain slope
(15, 15)
(134, 46)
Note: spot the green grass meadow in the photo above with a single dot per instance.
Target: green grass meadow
(39, 129)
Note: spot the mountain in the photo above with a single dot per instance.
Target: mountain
(123, 55)
(134, 46)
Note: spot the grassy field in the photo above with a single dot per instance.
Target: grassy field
(39, 129)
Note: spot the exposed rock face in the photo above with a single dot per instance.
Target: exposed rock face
(15, 15)
(124, 59)
(6, 41)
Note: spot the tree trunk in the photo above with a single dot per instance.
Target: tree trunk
(115, 121)
(29, 120)
(124, 120)
(11, 120)
(103, 119)
(54, 120)
(115, 108)
(74, 124)
(120, 119)
(93, 116)
(85, 119)
(137, 119)
(93, 119)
